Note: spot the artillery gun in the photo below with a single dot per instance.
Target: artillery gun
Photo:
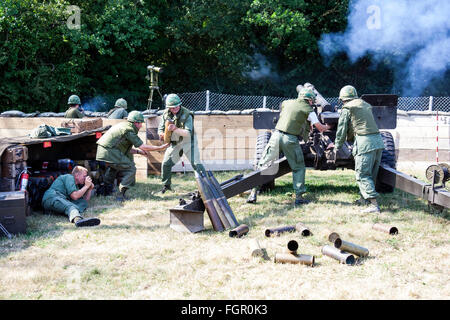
(318, 157)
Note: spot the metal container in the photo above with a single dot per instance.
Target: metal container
(239, 231)
(351, 247)
(341, 256)
(385, 228)
(210, 209)
(304, 230)
(277, 231)
(294, 258)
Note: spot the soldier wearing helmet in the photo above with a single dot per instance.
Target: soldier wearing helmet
(356, 122)
(115, 148)
(296, 116)
(119, 111)
(183, 139)
(74, 110)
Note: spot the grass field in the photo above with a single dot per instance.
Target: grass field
(134, 254)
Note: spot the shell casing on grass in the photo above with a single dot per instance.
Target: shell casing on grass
(351, 247)
(341, 256)
(385, 228)
(294, 258)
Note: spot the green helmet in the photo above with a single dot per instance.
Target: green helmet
(173, 101)
(348, 93)
(135, 116)
(306, 93)
(74, 99)
(121, 103)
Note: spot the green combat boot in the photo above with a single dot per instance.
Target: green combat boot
(86, 222)
(361, 201)
(373, 207)
(299, 200)
(165, 188)
(252, 197)
(121, 197)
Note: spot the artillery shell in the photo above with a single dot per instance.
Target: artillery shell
(294, 258)
(292, 246)
(278, 231)
(239, 231)
(341, 256)
(351, 247)
(385, 228)
(333, 236)
(304, 230)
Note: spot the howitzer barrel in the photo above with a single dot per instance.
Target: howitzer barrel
(212, 213)
(341, 256)
(294, 258)
(351, 247)
(239, 231)
(385, 228)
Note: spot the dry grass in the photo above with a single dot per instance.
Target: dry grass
(134, 254)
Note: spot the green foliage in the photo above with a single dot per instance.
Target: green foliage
(201, 44)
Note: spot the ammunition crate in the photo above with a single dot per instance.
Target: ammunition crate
(13, 208)
(15, 154)
(7, 184)
(13, 170)
(81, 125)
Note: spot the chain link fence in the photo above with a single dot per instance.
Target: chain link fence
(210, 101)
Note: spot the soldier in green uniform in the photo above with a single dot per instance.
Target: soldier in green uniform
(183, 139)
(296, 116)
(74, 112)
(356, 122)
(65, 197)
(115, 148)
(119, 111)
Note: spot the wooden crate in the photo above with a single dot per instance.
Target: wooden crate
(13, 170)
(81, 125)
(15, 154)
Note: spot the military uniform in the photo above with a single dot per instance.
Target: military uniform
(117, 113)
(179, 145)
(293, 122)
(57, 198)
(114, 149)
(73, 113)
(356, 119)
(119, 110)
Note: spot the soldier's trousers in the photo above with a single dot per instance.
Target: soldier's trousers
(127, 172)
(366, 171)
(172, 156)
(289, 145)
(62, 205)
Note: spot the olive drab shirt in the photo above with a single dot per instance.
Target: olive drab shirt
(117, 113)
(357, 119)
(73, 113)
(63, 187)
(183, 120)
(293, 117)
(115, 145)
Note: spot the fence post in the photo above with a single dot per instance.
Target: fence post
(430, 104)
(207, 100)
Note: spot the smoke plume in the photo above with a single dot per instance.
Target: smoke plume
(412, 37)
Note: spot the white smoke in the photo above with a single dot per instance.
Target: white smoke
(412, 36)
(263, 70)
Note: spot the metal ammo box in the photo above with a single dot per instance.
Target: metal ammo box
(13, 211)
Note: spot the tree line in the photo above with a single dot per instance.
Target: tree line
(242, 47)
